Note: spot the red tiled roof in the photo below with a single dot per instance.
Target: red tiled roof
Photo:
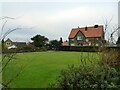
(91, 32)
(65, 44)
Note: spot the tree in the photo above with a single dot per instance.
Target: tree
(54, 44)
(39, 41)
(61, 41)
(5, 34)
(111, 38)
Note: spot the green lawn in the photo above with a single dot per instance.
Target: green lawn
(42, 68)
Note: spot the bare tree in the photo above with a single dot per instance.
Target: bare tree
(7, 58)
(112, 39)
(111, 34)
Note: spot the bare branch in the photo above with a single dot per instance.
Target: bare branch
(3, 27)
(9, 31)
(106, 23)
(5, 17)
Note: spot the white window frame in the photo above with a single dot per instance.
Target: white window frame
(72, 44)
(87, 40)
(90, 44)
(96, 44)
(79, 37)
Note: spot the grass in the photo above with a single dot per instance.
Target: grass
(42, 68)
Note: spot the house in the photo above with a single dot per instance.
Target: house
(65, 43)
(10, 44)
(86, 36)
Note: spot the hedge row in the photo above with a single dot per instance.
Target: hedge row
(63, 48)
(86, 48)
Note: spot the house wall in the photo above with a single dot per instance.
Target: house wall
(75, 41)
(6, 45)
(95, 41)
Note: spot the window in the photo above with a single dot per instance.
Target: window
(72, 39)
(72, 44)
(79, 37)
(87, 40)
(8, 43)
(80, 44)
(90, 44)
(97, 44)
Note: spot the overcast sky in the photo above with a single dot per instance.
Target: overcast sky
(56, 19)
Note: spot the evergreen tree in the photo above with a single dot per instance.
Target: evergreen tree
(39, 41)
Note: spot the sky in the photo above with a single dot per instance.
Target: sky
(55, 19)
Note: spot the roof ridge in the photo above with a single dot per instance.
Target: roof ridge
(88, 33)
(88, 27)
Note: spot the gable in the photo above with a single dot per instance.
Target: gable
(73, 33)
(79, 33)
(8, 43)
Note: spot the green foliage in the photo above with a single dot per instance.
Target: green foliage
(104, 75)
(39, 41)
(54, 44)
(86, 77)
(61, 41)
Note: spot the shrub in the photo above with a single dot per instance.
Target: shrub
(104, 75)
(81, 77)
(110, 58)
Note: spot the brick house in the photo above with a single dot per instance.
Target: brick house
(10, 44)
(65, 43)
(86, 36)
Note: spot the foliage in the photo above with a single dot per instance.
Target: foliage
(61, 41)
(110, 58)
(85, 77)
(39, 41)
(54, 44)
(104, 75)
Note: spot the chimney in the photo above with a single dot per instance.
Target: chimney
(86, 28)
(95, 26)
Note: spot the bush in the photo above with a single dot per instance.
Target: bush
(110, 58)
(104, 75)
(81, 77)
